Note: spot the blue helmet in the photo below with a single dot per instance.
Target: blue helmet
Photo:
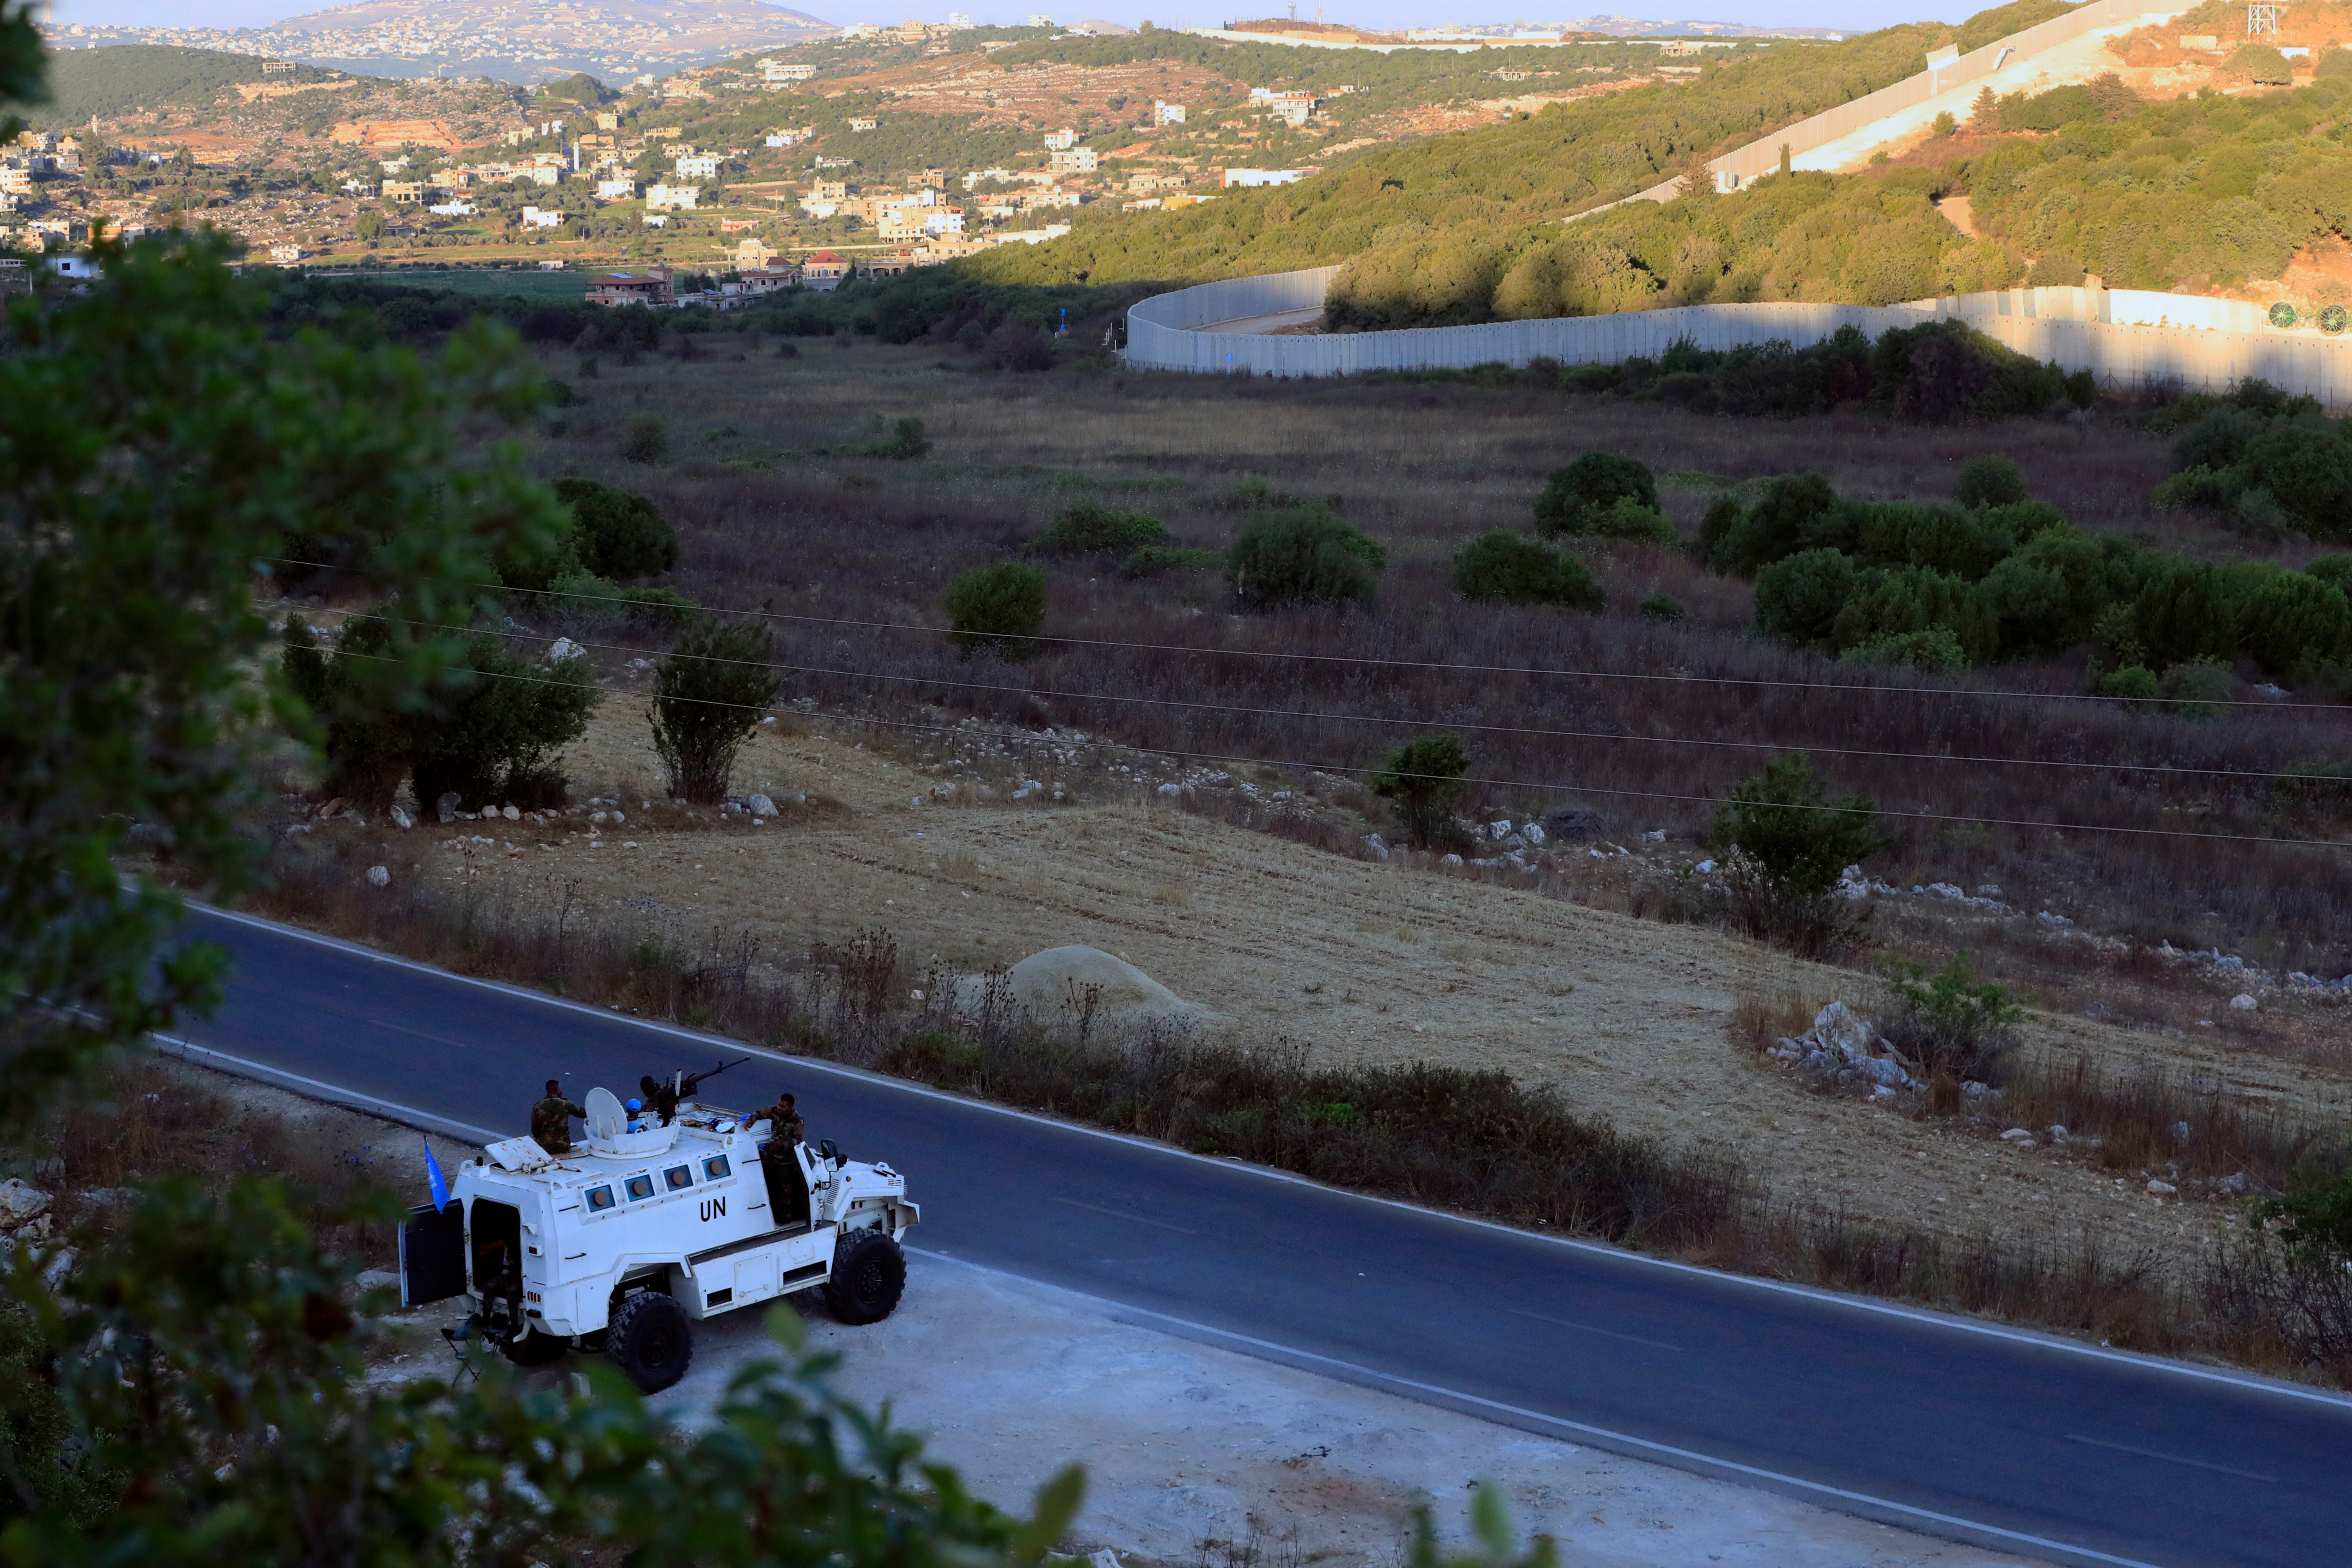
(636, 1105)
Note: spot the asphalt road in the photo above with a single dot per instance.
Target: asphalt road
(2012, 1441)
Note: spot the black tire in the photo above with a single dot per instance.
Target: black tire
(534, 1348)
(650, 1341)
(869, 1275)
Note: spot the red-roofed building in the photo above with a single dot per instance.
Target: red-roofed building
(823, 273)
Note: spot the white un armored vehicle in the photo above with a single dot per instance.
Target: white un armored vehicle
(625, 1243)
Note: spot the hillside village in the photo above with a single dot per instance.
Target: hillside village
(897, 147)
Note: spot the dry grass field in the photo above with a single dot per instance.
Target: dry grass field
(1645, 722)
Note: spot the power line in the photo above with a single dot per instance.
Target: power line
(1849, 689)
(1518, 730)
(1495, 783)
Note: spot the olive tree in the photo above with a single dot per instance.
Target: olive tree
(709, 692)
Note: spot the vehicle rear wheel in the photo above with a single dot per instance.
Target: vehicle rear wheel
(534, 1348)
(869, 1275)
(650, 1342)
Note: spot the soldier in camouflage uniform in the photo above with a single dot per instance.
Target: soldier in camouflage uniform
(551, 1120)
(783, 1122)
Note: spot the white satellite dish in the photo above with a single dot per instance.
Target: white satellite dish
(606, 1120)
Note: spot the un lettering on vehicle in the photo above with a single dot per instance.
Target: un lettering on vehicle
(713, 1208)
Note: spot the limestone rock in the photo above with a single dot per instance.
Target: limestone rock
(379, 876)
(21, 1203)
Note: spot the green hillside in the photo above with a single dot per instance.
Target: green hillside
(122, 78)
(1480, 187)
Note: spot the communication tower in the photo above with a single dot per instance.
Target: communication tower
(2262, 19)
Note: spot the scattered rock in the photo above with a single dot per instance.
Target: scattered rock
(379, 876)
(1050, 985)
(2017, 1135)
(401, 817)
(2231, 1185)
(1451, 860)
(1533, 833)
(563, 648)
(1836, 1026)
(2055, 922)
(1374, 845)
(2244, 1003)
(2180, 1132)
(1655, 836)
(762, 806)
(1988, 889)
(1704, 866)
(447, 807)
(2161, 1189)
(1575, 823)
(510, 813)
(2057, 1133)
(21, 1203)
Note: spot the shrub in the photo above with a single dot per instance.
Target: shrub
(583, 605)
(1797, 599)
(2308, 467)
(1990, 480)
(903, 440)
(1424, 779)
(2195, 688)
(2200, 486)
(1663, 607)
(1918, 599)
(1503, 567)
(2180, 614)
(1786, 840)
(1001, 606)
(2296, 619)
(2218, 439)
(664, 612)
(1154, 559)
(708, 696)
(1303, 555)
(1775, 526)
(647, 440)
(493, 739)
(1087, 528)
(1936, 649)
(2335, 569)
(368, 740)
(1593, 483)
(618, 533)
(1723, 516)
(2132, 683)
(1952, 1023)
(1788, 822)
(1944, 127)
(2263, 64)
(1628, 519)
(2315, 1218)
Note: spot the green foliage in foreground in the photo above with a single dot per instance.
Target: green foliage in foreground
(159, 444)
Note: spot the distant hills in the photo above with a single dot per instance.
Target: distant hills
(511, 40)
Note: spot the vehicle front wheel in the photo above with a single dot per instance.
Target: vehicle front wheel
(869, 1275)
(650, 1342)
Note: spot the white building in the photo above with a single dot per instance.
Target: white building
(1034, 21)
(699, 167)
(541, 217)
(1061, 140)
(657, 220)
(943, 221)
(672, 198)
(617, 190)
(286, 254)
(1253, 177)
(453, 208)
(1073, 161)
(1167, 114)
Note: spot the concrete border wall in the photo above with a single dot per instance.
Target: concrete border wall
(2114, 334)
